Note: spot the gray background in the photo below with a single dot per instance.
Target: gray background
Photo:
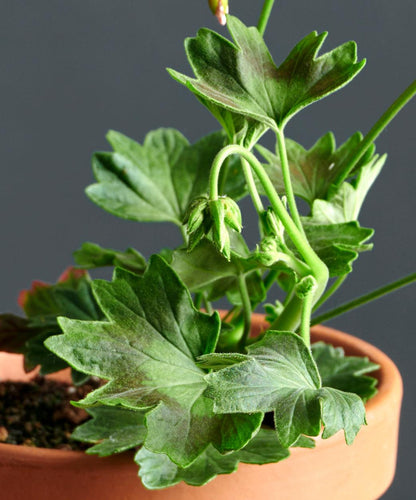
(72, 69)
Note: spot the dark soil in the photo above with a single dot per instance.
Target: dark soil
(40, 414)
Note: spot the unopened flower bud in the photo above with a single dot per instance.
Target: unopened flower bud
(220, 235)
(269, 251)
(219, 8)
(232, 214)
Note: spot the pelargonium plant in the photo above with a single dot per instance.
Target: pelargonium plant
(188, 387)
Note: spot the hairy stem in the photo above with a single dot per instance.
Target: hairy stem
(306, 319)
(281, 146)
(364, 299)
(375, 131)
(245, 299)
(317, 267)
(264, 16)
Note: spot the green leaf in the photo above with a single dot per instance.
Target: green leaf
(112, 429)
(147, 351)
(338, 245)
(312, 171)
(243, 78)
(280, 375)
(345, 204)
(157, 471)
(42, 303)
(91, 255)
(346, 373)
(156, 181)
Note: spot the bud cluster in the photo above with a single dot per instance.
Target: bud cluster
(213, 217)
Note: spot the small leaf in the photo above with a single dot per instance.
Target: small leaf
(112, 429)
(338, 245)
(147, 351)
(280, 375)
(312, 171)
(345, 204)
(91, 255)
(242, 77)
(346, 373)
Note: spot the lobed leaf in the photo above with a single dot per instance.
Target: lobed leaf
(280, 375)
(346, 373)
(112, 429)
(156, 181)
(157, 471)
(147, 351)
(242, 78)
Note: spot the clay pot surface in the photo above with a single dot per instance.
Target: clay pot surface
(332, 471)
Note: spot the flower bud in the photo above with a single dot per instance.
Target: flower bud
(220, 235)
(219, 8)
(269, 251)
(232, 214)
(305, 287)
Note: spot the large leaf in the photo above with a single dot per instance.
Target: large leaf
(147, 351)
(313, 170)
(346, 373)
(280, 375)
(113, 430)
(243, 78)
(157, 471)
(91, 255)
(155, 181)
(345, 204)
(338, 245)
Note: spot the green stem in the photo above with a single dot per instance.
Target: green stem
(287, 180)
(198, 300)
(207, 303)
(270, 279)
(264, 16)
(252, 188)
(331, 290)
(287, 321)
(306, 319)
(364, 299)
(245, 299)
(376, 130)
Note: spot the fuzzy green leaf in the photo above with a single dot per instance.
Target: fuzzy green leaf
(346, 373)
(338, 245)
(157, 471)
(243, 78)
(312, 171)
(147, 351)
(280, 375)
(155, 181)
(112, 429)
(91, 255)
(345, 204)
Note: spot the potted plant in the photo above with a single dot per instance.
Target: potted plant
(192, 392)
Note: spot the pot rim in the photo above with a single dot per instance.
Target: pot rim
(389, 382)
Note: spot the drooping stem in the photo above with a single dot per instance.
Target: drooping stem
(264, 16)
(317, 267)
(375, 131)
(287, 180)
(364, 299)
(331, 290)
(245, 299)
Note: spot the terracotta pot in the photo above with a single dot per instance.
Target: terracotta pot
(331, 471)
